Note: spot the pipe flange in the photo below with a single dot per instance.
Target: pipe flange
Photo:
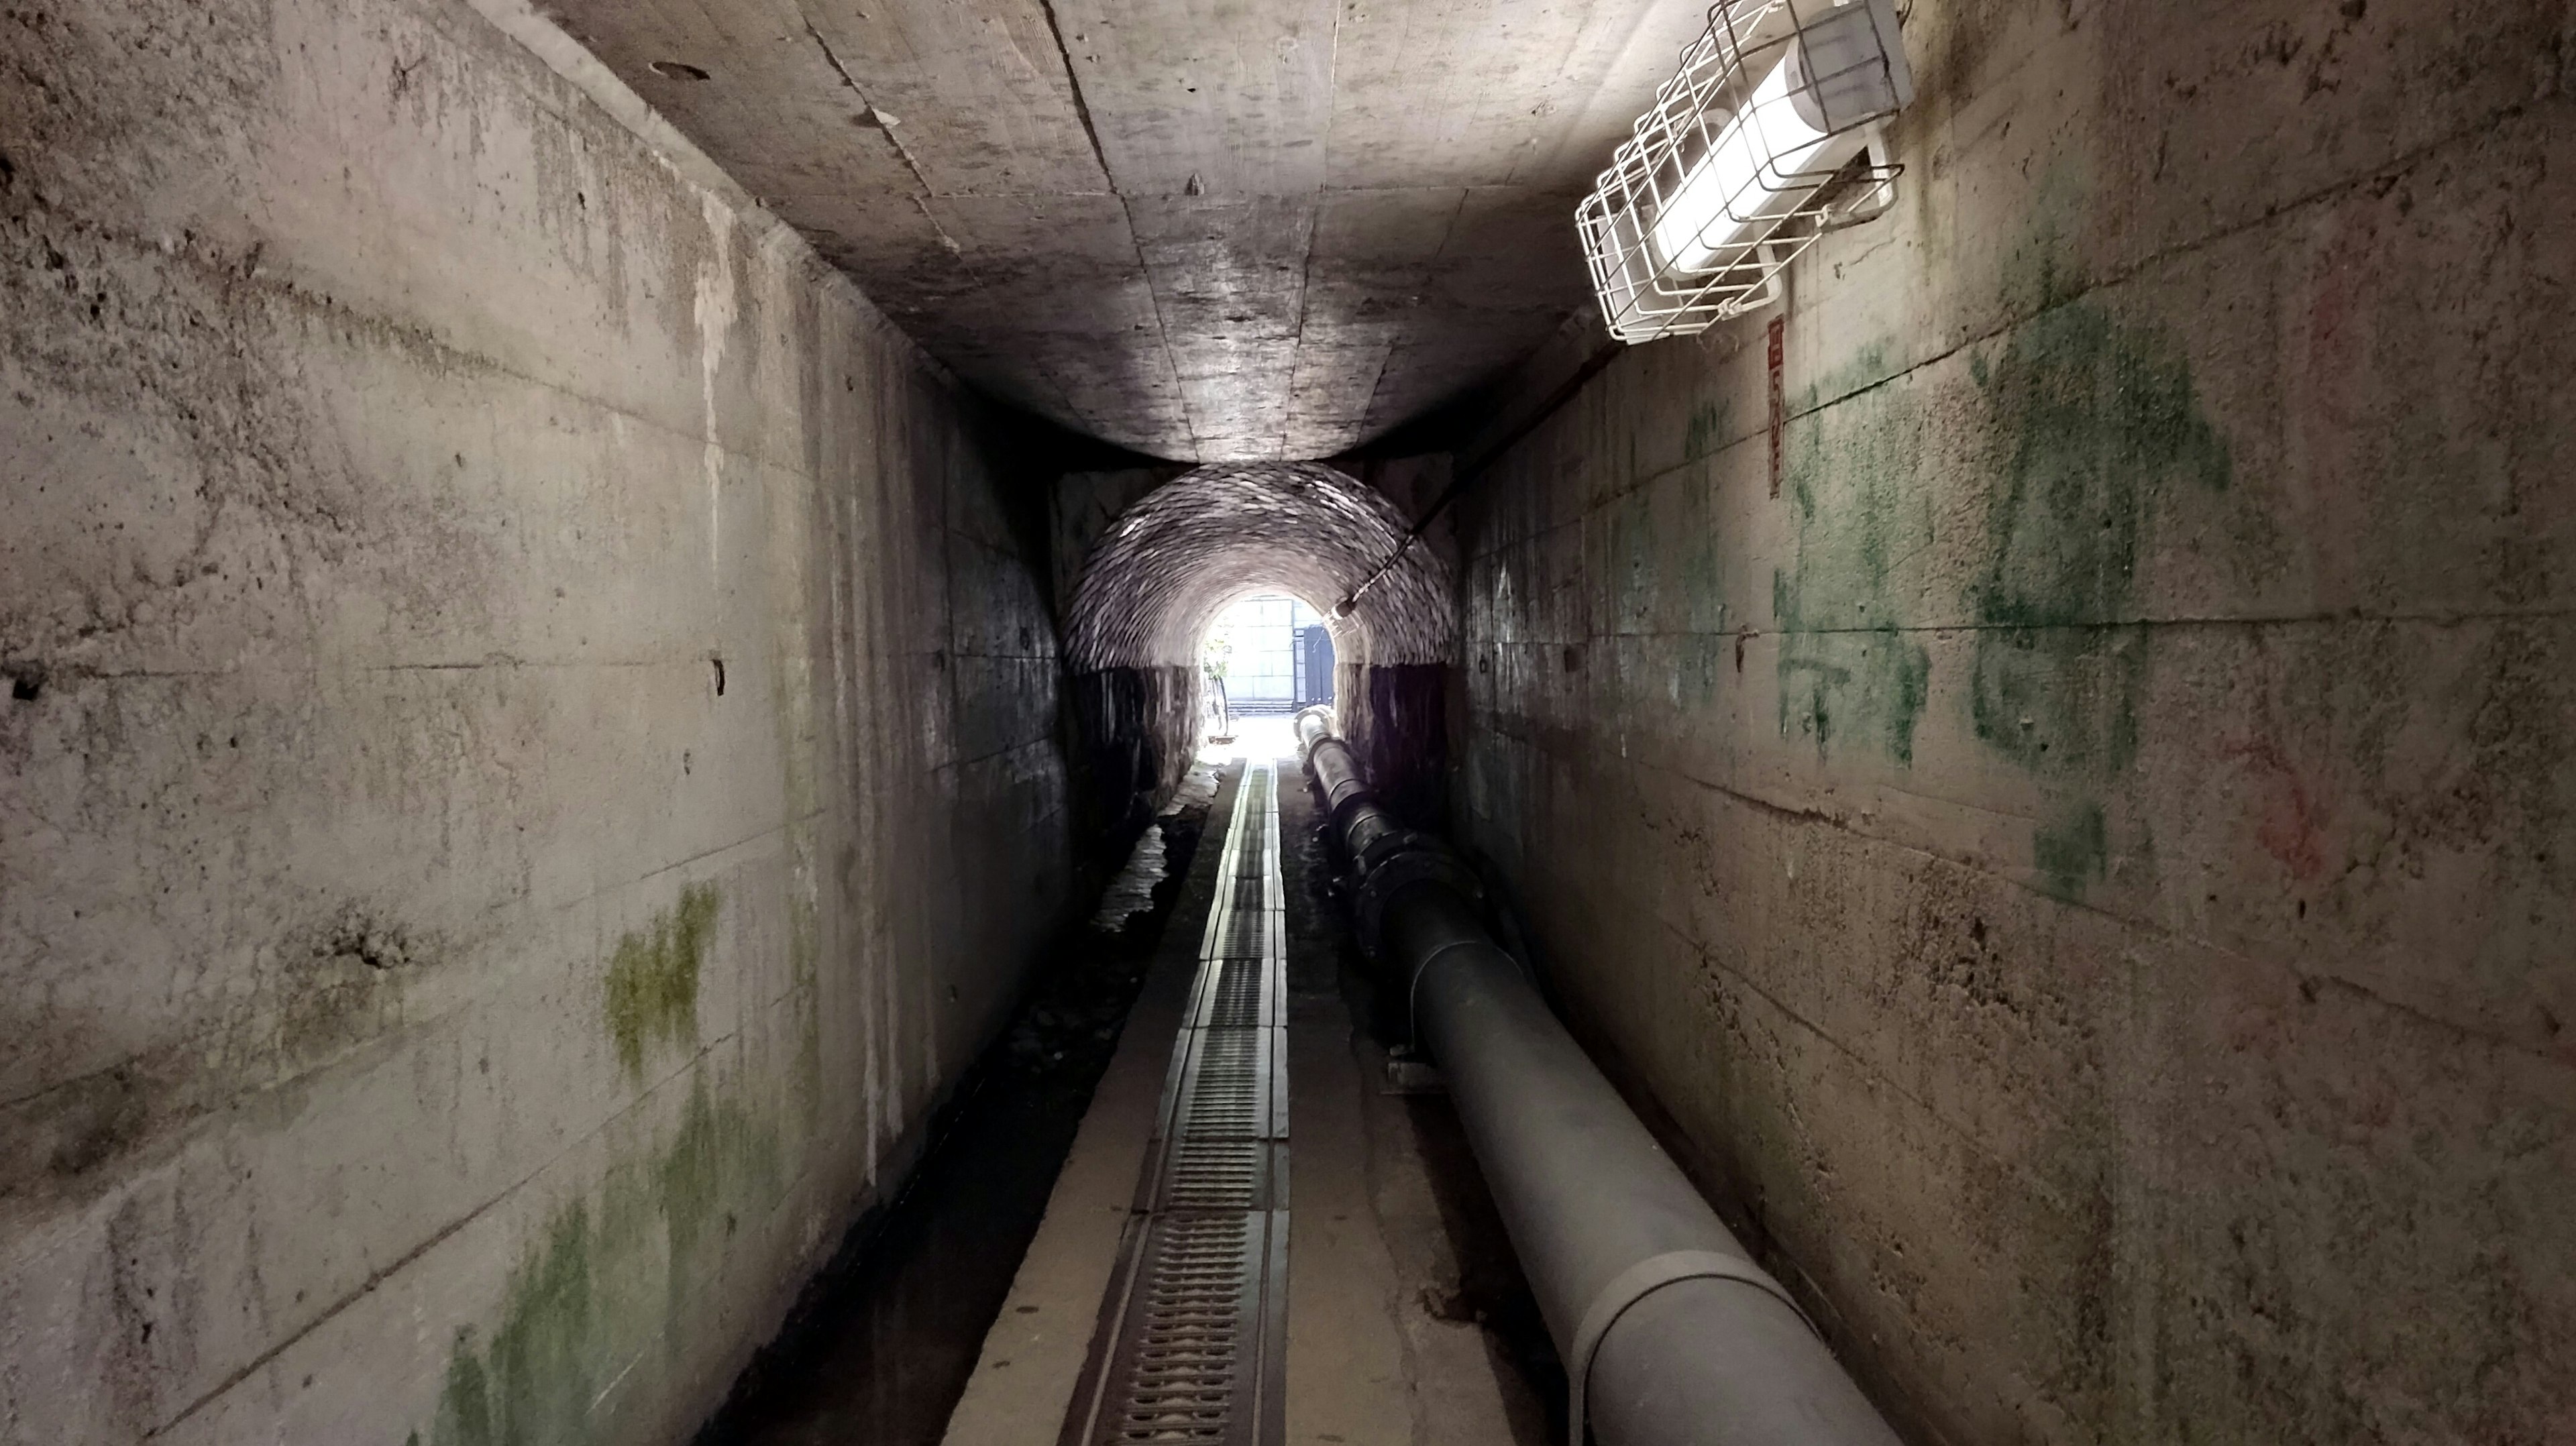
(1396, 862)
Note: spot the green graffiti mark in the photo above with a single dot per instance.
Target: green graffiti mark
(1864, 368)
(1708, 428)
(603, 1284)
(1848, 672)
(652, 992)
(2073, 851)
(2096, 422)
(1630, 544)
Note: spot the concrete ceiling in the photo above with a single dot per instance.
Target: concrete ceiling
(1209, 230)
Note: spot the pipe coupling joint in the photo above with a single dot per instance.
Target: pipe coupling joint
(1633, 1285)
(1395, 862)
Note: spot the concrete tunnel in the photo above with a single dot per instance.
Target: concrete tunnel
(611, 829)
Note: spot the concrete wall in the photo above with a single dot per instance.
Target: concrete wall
(2082, 843)
(528, 766)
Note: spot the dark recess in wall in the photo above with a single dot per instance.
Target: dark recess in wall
(1402, 732)
(1132, 734)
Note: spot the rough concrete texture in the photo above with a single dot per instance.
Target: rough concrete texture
(528, 762)
(2072, 810)
(1211, 230)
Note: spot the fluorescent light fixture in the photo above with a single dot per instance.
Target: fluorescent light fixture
(1722, 181)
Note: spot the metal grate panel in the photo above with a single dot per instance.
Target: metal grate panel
(1192, 1343)
(1247, 934)
(1236, 1001)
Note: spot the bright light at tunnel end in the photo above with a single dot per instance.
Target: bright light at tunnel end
(1760, 145)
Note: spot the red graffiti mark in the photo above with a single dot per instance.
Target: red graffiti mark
(2293, 823)
(1779, 400)
(2335, 400)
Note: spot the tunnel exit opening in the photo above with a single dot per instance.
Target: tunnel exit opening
(1167, 565)
(1261, 658)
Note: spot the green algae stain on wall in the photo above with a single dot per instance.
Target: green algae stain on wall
(609, 1281)
(720, 1158)
(534, 1380)
(1849, 673)
(652, 989)
(2097, 424)
(1707, 429)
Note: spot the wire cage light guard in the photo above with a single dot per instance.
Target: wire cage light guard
(1762, 144)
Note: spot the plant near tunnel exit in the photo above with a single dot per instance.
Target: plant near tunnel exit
(1214, 657)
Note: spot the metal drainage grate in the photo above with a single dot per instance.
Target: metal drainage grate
(1237, 998)
(1246, 933)
(1193, 1339)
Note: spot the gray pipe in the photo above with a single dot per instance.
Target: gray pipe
(1670, 1334)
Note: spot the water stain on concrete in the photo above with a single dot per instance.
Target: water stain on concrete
(1708, 429)
(652, 988)
(880, 1345)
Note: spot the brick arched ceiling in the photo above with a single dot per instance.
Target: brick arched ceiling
(1204, 229)
(1170, 563)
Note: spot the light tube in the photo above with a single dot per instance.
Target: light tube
(1805, 117)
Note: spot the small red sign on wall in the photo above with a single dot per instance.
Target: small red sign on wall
(1779, 402)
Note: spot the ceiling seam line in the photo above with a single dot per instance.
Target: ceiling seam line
(1288, 411)
(1145, 272)
(1377, 384)
(833, 58)
(1081, 103)
(1163, 330)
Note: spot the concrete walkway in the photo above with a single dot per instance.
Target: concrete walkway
(1407, 1321)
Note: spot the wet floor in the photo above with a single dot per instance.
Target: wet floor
(881, 1344)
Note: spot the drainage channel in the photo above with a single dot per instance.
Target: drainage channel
(1193, 1334)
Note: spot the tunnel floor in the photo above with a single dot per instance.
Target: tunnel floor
(980, 1308)
(1406, 1319)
